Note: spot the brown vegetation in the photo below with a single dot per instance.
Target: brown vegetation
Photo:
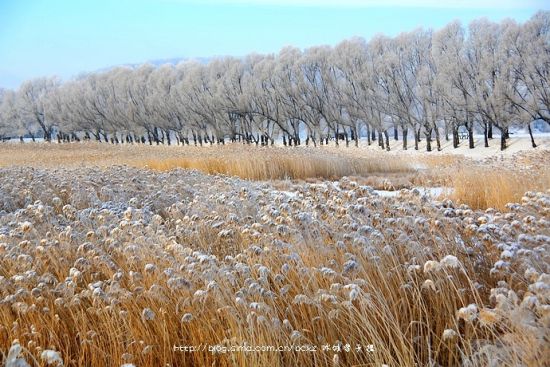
(248, 162)
(482, 187)
(481, 184)
(118, 265)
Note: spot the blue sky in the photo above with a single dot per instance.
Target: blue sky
(65, 37)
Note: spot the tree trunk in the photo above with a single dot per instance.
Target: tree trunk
(405, 136)
(437, 138)
(47, 134)
(346, 137)
(156, 135)
(456, 140)
(387, 136)
(471, 137)
(486, 135)
(531, 135)
(428, 135)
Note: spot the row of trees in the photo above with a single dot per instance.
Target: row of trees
(421, 84)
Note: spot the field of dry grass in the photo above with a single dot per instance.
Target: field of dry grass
(495, 189)
(494, 181)
(104, 261)
(248, 162)
(281, 163)
(479, 181)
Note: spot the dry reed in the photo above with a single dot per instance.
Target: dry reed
(277, 163)
(248, 162)
(120, 273)
(490, 187)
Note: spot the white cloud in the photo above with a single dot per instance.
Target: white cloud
(466, 4)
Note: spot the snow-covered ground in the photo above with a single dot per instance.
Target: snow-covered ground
(433, 192)
(516, 143)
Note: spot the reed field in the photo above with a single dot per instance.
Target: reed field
(271, 256)
(357, 202)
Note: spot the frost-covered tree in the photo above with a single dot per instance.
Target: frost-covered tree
(9, 124)
(529, 48)
(492, 69)
(32, 104)
(316, 89)
(494, 75)
(350, 63)
(452, 79)
(400, 62)
(266, 100)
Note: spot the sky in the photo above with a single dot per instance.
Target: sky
(67, 37)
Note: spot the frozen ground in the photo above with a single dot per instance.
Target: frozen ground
(519, 141)
(433, 192)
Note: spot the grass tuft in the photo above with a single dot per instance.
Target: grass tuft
(277, 163)
(481, 188)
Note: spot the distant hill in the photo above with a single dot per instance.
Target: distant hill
(159, 62)
(176, 60)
